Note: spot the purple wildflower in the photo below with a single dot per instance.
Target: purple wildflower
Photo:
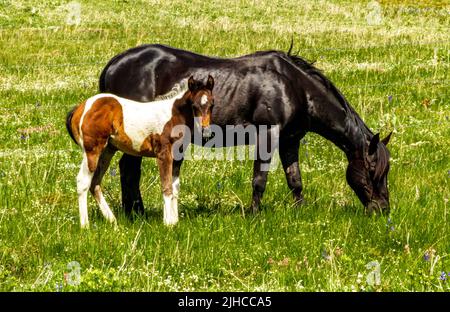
(113, 172)
(426, 256)
(23, 136)
(390, 98)
(443, 276)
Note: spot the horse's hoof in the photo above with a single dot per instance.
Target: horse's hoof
(299, 200)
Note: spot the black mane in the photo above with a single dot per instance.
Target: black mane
(311, 70)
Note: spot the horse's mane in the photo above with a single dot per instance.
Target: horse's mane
(176, 89)
(312, 71)
(309, 68)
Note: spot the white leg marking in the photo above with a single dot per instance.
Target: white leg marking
(84, 179)
(175, 192)
(104, 208)
(170, 217)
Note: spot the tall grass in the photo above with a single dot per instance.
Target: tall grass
(393, 71)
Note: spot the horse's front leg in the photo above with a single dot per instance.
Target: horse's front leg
(165, 171)
(289, 158)
(265, 146)
(176, 166)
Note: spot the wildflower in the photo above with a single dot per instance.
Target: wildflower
(284, 262)
(443, 276)
(358, 279)
(113, 172)
(219, 185)
(58, 286)
(23, 136)
(429, 254)
(407, 249)
(390, 98)
(325, 255)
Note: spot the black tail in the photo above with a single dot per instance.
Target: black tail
(69, 123)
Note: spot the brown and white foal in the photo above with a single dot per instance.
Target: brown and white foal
(106, 123)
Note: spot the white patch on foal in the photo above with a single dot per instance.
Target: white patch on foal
(140, 119)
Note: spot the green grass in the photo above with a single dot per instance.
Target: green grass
(47, 66)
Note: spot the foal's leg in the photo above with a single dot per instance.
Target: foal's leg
(165, 172)
(96, 191)
(289, 158)
(84, 179)
(176, 166)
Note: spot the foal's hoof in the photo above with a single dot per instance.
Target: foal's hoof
(171, 223)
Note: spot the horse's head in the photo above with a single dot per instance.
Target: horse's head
(367, 175)
(202, 101)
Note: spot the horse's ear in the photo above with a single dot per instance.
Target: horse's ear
(385, 141)
(374, 144)
(191, 84)
(210, 83)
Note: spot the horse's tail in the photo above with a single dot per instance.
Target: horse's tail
(69, 123)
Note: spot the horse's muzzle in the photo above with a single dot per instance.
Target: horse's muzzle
(377, 207)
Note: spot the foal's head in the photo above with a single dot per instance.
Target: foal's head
(201, 99)
(367, 175)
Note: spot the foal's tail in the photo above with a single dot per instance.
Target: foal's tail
(69, 123)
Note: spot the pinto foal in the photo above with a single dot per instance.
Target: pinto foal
(106, 123)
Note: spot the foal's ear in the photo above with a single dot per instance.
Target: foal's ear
(385, 141)
(191, 84)
(374, 144)
(210, 83)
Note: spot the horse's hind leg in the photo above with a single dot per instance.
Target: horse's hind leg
(96, 191)
(267, 142)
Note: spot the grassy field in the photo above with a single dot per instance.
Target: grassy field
(391, 62)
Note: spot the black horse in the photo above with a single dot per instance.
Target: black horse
(263, 88)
